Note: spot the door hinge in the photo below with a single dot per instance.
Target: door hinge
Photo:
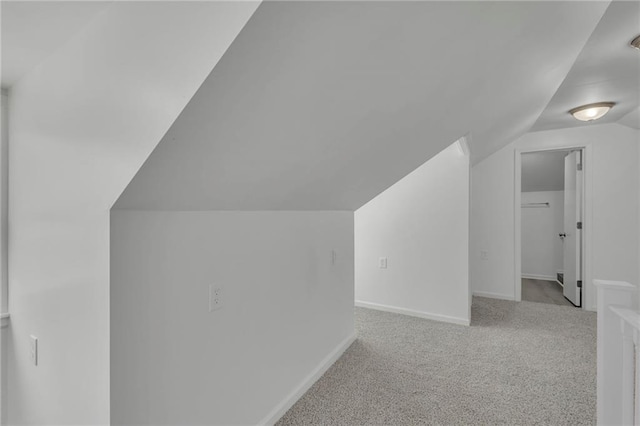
(579, 166)
(579, 225)
(579, 283)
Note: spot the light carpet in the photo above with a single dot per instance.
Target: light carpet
(517, 364)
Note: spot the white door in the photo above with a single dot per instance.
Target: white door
(572, 227)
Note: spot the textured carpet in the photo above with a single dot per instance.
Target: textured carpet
(518, 364)
(543, 292)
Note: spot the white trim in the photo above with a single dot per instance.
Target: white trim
(468, 140)
(4, 190)
(617, 285)
(517, 224)
(493, 295)
(463, 146)
(412, 313)
(588, 299)
(307, 382)
(540, 277)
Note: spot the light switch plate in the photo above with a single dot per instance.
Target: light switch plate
(383, 263)
(34, 349)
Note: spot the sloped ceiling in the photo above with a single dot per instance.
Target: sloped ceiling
(323, 105)
(632, 119)
(90, 113)
(607, 70)
(33, 30)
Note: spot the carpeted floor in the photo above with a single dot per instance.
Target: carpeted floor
(518, 364)
(543, 292)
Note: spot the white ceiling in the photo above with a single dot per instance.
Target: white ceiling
(607, 70)
(32, 30)
(323, 105)
(543, 171)
(363, 79)
(632, 119)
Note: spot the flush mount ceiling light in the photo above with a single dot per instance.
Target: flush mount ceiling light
(635, 43)
(592, 111)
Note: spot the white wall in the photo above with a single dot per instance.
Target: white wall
(285, 308)
(614, 207)
(421, 225)
(542, 255)
(82, 123)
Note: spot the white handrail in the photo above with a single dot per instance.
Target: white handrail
(630, 331)
(618, 339)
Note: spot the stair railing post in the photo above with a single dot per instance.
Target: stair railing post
(610, 349)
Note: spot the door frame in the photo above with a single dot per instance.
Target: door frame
(588, 293)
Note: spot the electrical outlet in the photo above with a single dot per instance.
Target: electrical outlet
(382, 263)
(484, 255)
(215, 297)
(34, 349)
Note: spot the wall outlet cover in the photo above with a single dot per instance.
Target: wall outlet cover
(215, 297)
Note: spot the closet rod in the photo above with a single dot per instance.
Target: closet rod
(535, 205)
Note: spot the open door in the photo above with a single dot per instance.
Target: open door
(572, 246)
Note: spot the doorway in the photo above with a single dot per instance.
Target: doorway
(551, 214)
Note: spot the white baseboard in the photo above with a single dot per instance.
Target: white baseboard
(307, 382)
(411, 312)
(494, 295)
(540, 277)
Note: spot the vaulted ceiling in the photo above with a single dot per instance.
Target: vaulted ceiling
(323, 105)
(607, 70)
(90, 111)
(33, 30)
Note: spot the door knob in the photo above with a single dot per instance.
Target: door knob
(562, 235)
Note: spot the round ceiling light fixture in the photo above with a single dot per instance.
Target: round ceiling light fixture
(591, 112)
(635, 43)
